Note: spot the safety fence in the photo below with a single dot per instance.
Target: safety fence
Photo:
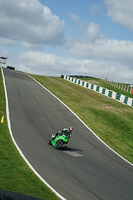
(109, 93)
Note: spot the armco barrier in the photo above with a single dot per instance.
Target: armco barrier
(109, 93)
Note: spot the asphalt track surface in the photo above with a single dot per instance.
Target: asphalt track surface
(85, 169)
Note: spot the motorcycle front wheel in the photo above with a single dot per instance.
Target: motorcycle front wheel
(49, 142)
(59, 143)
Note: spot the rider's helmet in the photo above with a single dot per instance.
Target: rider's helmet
(70, 129)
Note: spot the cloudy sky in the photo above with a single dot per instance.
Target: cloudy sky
(54, 37)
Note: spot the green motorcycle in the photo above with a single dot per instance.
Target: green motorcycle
(61, 137)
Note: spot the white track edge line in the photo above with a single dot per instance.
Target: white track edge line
(19, 150)
(83, 122)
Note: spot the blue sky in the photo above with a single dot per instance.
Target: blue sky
(54, 37)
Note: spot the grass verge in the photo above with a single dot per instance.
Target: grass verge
(101, 83)
(15, 175)
(109, 119)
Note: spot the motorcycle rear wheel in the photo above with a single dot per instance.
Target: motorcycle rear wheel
(59, 143)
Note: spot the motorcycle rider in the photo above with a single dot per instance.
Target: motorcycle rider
(64, 131)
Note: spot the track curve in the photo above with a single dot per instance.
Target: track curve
(85, 169)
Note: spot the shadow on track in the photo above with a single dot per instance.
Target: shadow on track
(65, 148)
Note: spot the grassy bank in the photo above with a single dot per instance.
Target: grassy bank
(101, 83)
(15, 175)
(109, 119)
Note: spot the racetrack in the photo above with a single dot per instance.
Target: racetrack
(85, 169)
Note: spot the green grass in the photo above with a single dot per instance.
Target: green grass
(109, 119)
(15, 175)
(101, 83)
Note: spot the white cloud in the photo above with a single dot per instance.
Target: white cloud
(46, 64)
(93, 32)
(95, 9)
(103, 49)
(94, 46)
(30, 22)
(106, 55)
(121, 11)
(36, 62)
(74, 17)
(6, 42)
